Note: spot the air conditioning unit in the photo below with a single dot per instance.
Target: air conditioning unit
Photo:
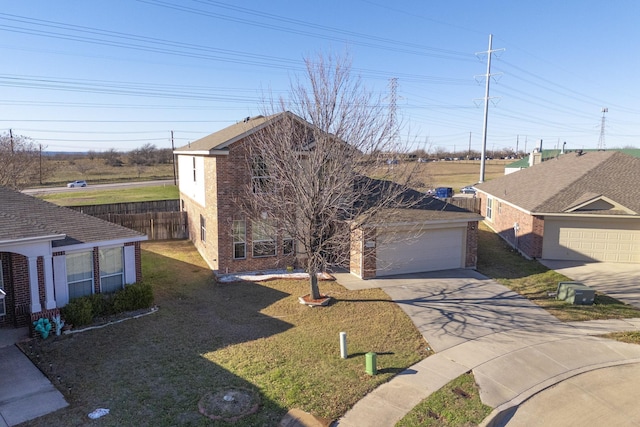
(575, 293)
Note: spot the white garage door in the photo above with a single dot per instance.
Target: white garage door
(401, 252)
(597, 240)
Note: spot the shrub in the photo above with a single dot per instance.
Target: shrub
(82, 311)
(133, 297)
(78, 312)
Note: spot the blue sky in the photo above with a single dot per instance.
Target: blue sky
(100, 74)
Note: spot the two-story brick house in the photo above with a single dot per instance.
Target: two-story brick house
(214, 173)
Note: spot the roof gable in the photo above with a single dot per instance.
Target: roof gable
(600, 204)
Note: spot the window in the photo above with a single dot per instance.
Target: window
(111, 269)
(259, 175)
(264, 240)
(288, 245)
(80, 274)
(194, 169)
(489, 207)
(3, 308)
(499, 208)
(239, 239)
(203, 229)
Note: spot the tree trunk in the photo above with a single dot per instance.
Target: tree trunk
(314, 291)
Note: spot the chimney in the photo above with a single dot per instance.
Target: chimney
(535, 157)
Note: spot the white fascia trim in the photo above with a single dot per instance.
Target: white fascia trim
(27, 240)
(578, 215)
(459, 221)
(604, 198)
(202, 153)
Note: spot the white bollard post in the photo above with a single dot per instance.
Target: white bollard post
(343, 345)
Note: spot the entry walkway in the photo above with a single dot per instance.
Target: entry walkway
(25, 393)
(514, 348)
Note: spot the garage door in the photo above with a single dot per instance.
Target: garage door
(402, 252)
(598, 240)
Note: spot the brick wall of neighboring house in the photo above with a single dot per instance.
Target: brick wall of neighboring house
(471, 259)
(528, 238)
(362, 255)
(19, 272)
(138, 259)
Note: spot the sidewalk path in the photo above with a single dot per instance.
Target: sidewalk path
(514, 348)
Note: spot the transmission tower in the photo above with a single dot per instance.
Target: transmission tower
(393, 109)
(601, 144)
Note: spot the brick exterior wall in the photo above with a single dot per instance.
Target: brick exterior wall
(9, 318)
(19, 273)
(471, 258)
(528, 239)
(362, 259)
(226, 179)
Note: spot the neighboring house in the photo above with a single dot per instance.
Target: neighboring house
(50, 255)
(580, 206)
(214, 172)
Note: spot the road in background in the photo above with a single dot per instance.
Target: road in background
(114, 186)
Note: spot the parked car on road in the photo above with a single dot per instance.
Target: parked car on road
(444, 192)
(77, 184)
(468, 190)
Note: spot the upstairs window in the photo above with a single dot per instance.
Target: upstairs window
(489, 207)
(264, 238)
(239, 239)
(194, 169)
(259, 175)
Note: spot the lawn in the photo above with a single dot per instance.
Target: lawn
(86, 196)
(152, 371)
(534, 281)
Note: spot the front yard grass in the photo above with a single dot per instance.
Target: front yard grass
(152, 371)
(456, 404)
(534, 281)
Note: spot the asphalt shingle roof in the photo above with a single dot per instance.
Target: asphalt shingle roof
(560, 184)
(23, 216)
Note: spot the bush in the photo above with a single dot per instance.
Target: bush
(133, 297)
(82, 311)
(78, 312)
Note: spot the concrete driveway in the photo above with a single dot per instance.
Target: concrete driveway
(620, 281)
(515, 349)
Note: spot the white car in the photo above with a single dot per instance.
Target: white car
(77, 184)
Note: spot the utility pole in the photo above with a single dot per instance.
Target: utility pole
(601, 144)
(469, 152)
(517, 142)
(11, 138)
(483, 154)
(40, 164)
(173, 156)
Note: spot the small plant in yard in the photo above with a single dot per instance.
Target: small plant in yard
(456, 404)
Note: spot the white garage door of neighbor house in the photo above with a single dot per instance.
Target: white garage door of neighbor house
(402, 253)
(598, 241)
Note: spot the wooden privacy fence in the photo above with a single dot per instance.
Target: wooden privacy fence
(156, 225)
(172, 205)
(471, 204)
(158, 219)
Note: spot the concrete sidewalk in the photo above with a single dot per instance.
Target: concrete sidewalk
(25, 393)
(514, 348)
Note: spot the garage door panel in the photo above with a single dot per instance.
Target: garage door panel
(580, 241)
(402, 253)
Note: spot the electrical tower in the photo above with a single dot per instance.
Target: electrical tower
(601, 144)
(483, 154)
(393, 110)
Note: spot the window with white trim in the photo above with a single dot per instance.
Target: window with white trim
(3, 308)
(203, 229)
(263, 235)
(489, 207)
(79, 274)
(239, 239)
(194, 169)
(288, 244)
(111, 269)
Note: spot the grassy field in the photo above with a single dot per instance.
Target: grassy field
(152, 371)
(87, 196)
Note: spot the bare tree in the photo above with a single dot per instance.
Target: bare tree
(21, 162)
(312, 166)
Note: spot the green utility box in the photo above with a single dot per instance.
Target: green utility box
(576, 293)
(371, 366)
